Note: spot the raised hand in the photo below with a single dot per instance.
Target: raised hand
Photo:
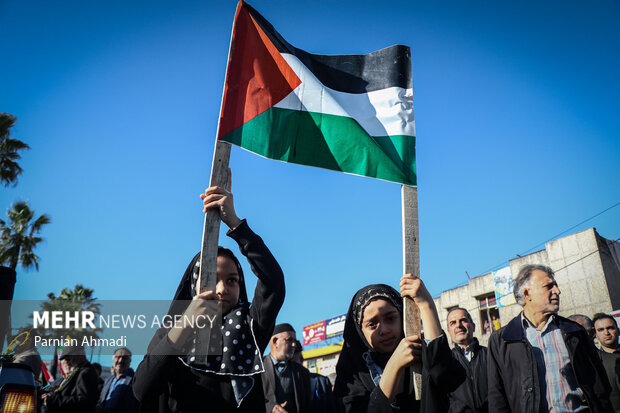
(412, 286)
(219, 198)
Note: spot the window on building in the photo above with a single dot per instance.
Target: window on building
(489, 314)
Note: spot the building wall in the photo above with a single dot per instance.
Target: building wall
(610, 260)
(579, 272)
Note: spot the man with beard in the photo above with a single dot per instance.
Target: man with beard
(77, 393)
(542, 362)
(471, 394)
(286, 384)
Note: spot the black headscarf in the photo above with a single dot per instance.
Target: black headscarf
(239, 356)
(352, 358)
(354, 382)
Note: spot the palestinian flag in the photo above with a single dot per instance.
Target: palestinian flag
(348, 113)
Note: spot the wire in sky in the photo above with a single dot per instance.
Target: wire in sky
(570, 229)
(554, 237)
(582, 258)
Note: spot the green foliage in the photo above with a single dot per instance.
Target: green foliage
(19, 238)
(9, 151)
(79, 299)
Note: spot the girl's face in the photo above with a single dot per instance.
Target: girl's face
(382, 326)
(227, 287)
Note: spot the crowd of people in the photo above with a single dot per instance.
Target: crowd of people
(81, 388)
(537, 362)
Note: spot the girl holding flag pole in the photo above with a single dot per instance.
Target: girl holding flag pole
(374, 368)
(171, 378)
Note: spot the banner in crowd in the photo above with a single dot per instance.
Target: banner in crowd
(335, 326)
(314, 333)
(503, 287)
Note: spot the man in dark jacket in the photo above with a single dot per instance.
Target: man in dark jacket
(540, 361)
(607, 334)
(320, 387)
(77, 393)
(286, 384)
(471, 394)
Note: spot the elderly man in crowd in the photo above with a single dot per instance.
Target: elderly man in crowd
(117, 393)
(286, 384)
(606, 330)
(541, 362)
(77, 393)
(471, 394)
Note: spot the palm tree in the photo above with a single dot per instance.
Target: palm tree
(9, 148)
(19, 238)
(18, 241)
(78, 299)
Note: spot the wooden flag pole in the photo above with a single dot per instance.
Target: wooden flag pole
(211, 229)
(411, 264)
(219, 177)
(210, 238)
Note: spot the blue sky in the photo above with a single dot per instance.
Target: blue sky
(516, 108)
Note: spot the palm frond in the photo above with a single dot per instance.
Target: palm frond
(6, 123)
(9, 151)
(39, 222)
(17, 238)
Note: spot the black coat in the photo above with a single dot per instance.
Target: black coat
(611, 363)
(322, 396)
(513, 374)
(164, 384)
(471, 394)
(77, 395)
(301, 385)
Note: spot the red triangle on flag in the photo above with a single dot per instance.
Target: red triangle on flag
(257, 78)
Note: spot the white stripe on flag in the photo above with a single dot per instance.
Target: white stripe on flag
(385, 112)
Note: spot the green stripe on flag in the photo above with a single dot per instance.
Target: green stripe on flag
(327, 141)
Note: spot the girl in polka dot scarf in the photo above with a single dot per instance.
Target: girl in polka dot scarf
(179, 374)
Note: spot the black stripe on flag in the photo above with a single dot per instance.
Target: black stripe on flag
(389, 67)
